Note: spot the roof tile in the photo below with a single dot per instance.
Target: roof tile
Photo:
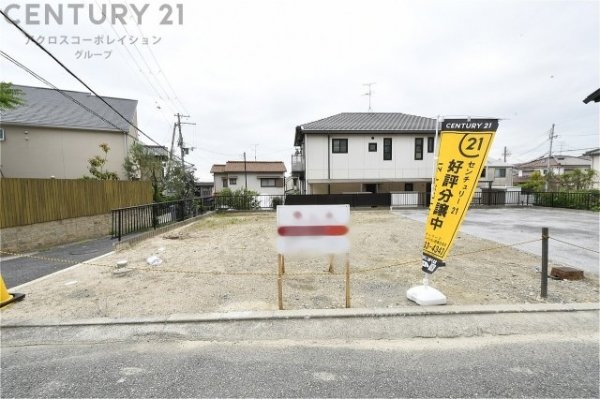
(367, 122)
(53, 108)
(250, 166)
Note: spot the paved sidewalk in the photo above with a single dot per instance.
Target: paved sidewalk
(17, 270)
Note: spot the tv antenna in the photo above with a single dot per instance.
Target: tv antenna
(369, 93)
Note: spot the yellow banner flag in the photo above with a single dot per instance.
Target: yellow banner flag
(463, 150)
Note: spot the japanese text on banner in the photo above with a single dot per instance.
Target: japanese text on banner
(463, 151)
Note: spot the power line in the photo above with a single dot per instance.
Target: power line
(71, 98)
(138, 69)
(160, 69)
(77, 78)
(46, 82)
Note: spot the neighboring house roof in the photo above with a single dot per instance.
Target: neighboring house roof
(49, 108)
(556, 160)
(497, 163)
(367, 122)
(595, 97)
(250, 167)
(592, 153)
(157, 150)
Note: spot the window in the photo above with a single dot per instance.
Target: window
(483, 173)
(408, 187)
(1, 134)
(271, 182)
(339, 146)
(430, 144)
(232, 181)
(224, 180)
(500, 172)
(387, 149)
(372, 147)
(419, 148)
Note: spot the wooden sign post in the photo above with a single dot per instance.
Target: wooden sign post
(312, 229)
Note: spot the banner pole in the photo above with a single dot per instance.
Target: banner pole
(435, 156)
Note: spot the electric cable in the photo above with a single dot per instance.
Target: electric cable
(32, 39)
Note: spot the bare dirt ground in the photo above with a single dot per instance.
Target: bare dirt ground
(228, 262)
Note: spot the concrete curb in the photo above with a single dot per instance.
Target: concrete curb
(340, 325)
(307, 314)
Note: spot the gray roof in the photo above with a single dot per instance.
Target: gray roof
(367, 122)
(49, 108)
(556, 160)
(157, 150)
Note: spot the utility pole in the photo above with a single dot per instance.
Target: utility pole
(552, 137)
(506, 153)
(369, 93)
(170, 164)
(180, 141)
(183, 150)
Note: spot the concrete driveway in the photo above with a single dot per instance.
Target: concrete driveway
(574, 234)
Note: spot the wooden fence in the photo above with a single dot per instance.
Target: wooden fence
(29, 201)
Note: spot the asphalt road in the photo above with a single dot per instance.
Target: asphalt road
(574, 234)
(20, 270)
(510, 366)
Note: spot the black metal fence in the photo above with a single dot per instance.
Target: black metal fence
(590, 200)
(139, 218)
(244, 202)
(144, 217)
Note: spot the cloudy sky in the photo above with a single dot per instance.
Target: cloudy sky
(248, 72)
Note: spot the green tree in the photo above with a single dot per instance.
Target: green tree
(180, 183)
(577, 180)
(535, 183)
(142, 164)
(10, 97)
(97, 164)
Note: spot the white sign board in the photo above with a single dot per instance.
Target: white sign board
(313, 229)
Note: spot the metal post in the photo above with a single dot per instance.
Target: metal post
(119, 222)
(280, 271)
(544, 281)
(347, 280)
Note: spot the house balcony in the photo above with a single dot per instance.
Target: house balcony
(298, 165)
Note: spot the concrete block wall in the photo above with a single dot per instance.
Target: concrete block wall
(44, 235)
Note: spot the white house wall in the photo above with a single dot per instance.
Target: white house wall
(253, 182)
(31, 152)
(596, 167)
(360, 164)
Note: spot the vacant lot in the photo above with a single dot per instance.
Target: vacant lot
(228, 262)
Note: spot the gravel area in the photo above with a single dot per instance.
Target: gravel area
(228, 262)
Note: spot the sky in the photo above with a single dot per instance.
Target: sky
(248, 72)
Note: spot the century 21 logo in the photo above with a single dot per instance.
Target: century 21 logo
(48, 14)
(472, 143)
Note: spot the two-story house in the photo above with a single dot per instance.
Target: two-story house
(55, 132)
(365, 152)
(559, 165)
(497, 175)
(265, 178)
